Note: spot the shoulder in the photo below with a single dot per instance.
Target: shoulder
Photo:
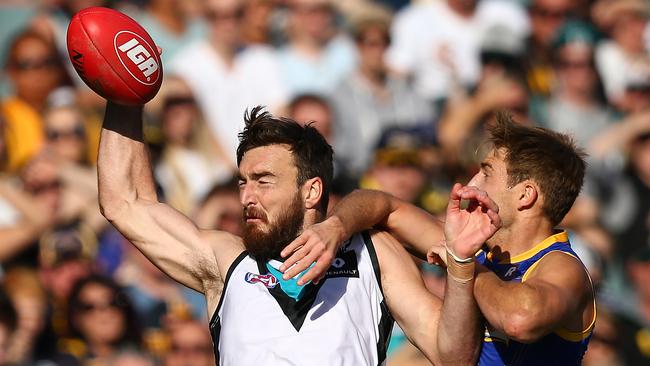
(560, 269)
(224, 246)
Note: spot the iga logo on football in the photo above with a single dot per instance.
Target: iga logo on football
(137, 56)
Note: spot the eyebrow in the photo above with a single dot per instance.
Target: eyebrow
(257, 176)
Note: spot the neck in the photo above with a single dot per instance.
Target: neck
(226, 52)
(101, 349)
(508, 242)
(312, 217)
(306, 45)
(578, 97)
(377, 78)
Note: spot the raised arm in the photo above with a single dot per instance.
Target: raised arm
(128, 199)
(360, 210)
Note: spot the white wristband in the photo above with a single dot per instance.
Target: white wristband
(456, 259)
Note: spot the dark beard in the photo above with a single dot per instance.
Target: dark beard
(263, 246)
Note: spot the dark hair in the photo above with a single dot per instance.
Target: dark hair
(312, 155)
(360, 29)
(549, 158)
(132, 332)
(29, 34)
(308, 98)
(8, 315)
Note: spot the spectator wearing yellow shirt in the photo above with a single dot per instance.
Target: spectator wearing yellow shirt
(34, 68)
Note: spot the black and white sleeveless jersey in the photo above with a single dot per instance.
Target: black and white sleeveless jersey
(343, 320)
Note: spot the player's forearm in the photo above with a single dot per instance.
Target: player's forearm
(361, 210)
(459, 331)
(123, 165)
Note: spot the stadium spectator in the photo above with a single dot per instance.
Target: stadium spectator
(318, 56)
(102, 317)
(35, 70)
(170, 25)
(370, 99)
(191, 161)
(226, 76)
(626, 52)
(397, 168)
(190, 345)
(221, 209)
(546, 17)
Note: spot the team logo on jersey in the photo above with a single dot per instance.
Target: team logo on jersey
(345, 265)
(137, 56)
(267, 280)
(512, 270)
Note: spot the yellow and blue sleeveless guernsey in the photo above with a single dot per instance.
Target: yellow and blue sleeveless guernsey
(562, 347)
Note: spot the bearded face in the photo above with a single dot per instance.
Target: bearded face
(264, 239)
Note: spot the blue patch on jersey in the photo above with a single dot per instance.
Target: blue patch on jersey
(290, 286)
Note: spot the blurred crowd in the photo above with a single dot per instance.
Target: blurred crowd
(401, 89)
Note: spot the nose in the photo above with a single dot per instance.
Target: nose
(474, 181)
(247, 195)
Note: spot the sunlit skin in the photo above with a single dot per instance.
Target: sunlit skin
(267, 183)
(512, 202)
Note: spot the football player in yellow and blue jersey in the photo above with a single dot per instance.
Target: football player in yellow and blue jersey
(531, 288)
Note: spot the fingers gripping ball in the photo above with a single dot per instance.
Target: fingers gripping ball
(114, 55)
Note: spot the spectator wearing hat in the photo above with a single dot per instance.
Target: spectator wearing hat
(397, 167)
(371, 99)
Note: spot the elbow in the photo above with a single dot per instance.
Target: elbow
(111, 207)
(522, 326)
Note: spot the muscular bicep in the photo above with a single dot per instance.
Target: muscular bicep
(564, 291)
(174, 244)
(414, 308)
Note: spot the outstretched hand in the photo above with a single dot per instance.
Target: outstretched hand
(318, 244)
(467, 229)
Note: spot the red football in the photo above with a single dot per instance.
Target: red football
(114, 55)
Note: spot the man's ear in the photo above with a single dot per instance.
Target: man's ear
(529, 194)
(312, 192)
